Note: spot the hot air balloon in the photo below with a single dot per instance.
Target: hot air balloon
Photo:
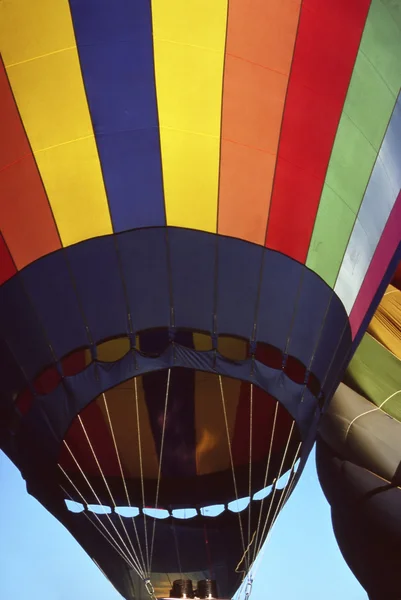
(199, 202)
(359, 454)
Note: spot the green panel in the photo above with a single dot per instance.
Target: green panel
(350, 165)
(370, 100)
(394, 8)
(334, 222)
(375, 373)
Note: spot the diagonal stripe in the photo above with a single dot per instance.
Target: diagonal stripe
(387, 246)
(189, 40)
(376, 208)
(115, 46)
(367, 111)
(26, 220)
(320, 76)
(260, 43)
(7, 266)
(42, 63)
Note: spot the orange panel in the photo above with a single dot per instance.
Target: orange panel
(260, 43)
(26, 220)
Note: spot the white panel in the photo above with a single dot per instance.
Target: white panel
(380, 196)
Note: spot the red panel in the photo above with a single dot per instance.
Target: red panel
(326, 48)
(26, 220)
(102, 443)
(7, 267)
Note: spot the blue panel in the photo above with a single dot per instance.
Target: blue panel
(192, 259)
(50, 287)
(22, 330)
(115, 45)
(238, 281)
(179, 451)
(310, 309)
(11, 377)
(278, 294)
(335, 325)
(99, 286)
(144, 259)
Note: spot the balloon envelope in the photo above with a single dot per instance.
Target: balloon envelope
(191, 243)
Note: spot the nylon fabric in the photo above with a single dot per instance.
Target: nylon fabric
(312, 113)
(189, 39)
(40, 55)
(388, 250)
(7, 267)
(385, 326)
(367, 232)
(260, 45)
(115, 48)
(371, 97)
(376, 373)
(27, 227)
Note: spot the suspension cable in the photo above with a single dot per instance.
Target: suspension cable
(275, 487)
(100, 504)
(112, 543)
(280, 504)
(141, 472)
(127, 558)
(160, 462)
(231, 460)
(266, 477)
(250, 470)
(123, 478)
(107, 487)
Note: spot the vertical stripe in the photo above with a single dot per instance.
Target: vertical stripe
(386, 248)
(102, 443)
(26, 220)
(374, 86)
(42, 62)
(264, 407)
(7, 266)
(189, 40)
(179, 450)
(260, 43)
(115, 47)
(381, 194)
(121, 403)
(212, 454)
(327, 43)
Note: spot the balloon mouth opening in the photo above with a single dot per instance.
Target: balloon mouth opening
(167, 443)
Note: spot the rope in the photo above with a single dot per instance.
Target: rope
(266, 476)
(280, 504)
(141, 472)
(138, 569)
(231, 460)
(122, 476)
(107, 487)
(275, 488)
(114, 543)
(250, 471)
(160, 463)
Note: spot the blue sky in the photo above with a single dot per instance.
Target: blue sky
(39, 560)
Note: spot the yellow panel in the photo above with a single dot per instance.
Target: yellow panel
(113, 349)
(212, 452)
(122, 409)
(44, 71)
(31, 29)
(189, 57)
